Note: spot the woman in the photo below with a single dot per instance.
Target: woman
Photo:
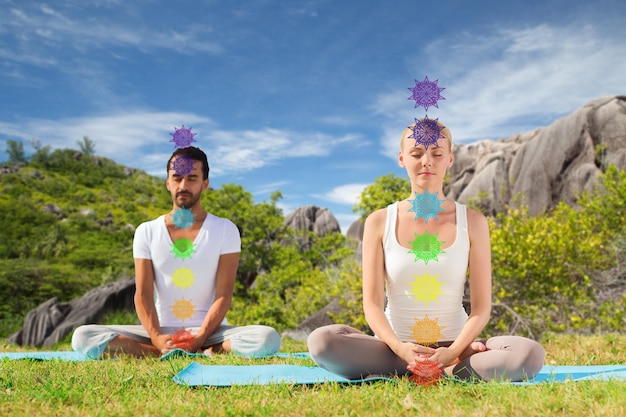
(417, 255)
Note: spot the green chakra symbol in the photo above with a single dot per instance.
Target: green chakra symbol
(183, 248)
(426, 247)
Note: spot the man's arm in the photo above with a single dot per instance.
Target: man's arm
(224, 286)
(144, 304)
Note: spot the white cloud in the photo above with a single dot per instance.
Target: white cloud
(141, 139)
(512, 80)
(348, 194)
(39, 31)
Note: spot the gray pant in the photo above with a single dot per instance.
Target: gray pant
(250, 341)
(352, 354)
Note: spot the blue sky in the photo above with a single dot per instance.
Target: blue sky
(305, 97)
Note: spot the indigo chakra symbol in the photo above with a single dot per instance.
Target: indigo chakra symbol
(426, 206)
(182, 165)
(426, 132)
(182, 137)
(426, 93)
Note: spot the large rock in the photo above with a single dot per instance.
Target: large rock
(51, 322)
(312, 218)
(543, 167)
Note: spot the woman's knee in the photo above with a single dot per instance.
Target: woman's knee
(318, 339)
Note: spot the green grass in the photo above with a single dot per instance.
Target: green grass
(127, 387)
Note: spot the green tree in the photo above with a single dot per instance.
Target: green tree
(87, 146)
(385, 190)
(15, 150)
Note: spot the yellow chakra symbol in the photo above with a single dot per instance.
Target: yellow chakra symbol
(183, 277)
(426, 331)
(426, 288)
(183, 309)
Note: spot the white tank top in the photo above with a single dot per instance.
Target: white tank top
(425, 295)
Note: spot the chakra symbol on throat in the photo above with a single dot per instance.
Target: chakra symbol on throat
(183, 218)
(426, 331)
(426, 132)
(182, 248)
(426, 93)
(426, 206)
(182, 137)
(426, 247)
(426, 288)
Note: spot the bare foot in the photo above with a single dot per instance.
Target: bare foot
(473, 348)
(209, 352)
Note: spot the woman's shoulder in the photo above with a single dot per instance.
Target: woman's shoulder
(476, 221)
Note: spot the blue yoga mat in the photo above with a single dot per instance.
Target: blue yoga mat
(183, 353)
(196, 374)
(550, 373)
(222, 376)
(75, 356)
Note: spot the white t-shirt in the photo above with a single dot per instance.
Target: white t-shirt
(425, 299)
(185, 279)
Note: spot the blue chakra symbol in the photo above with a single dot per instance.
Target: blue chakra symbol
(426, 132)
(182, 137)
(426, 93)
(426, 206)
(183, 165)
(183, 218)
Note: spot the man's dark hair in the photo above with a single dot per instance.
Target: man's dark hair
(192, 153)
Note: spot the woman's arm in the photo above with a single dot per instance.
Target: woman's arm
(480, 288)
(374, 289)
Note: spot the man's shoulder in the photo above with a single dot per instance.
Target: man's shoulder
(151, 223)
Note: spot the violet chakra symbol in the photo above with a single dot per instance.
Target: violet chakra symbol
(426, 132)
(182, 137)
(426, 93)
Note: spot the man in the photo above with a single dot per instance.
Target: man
(185, 266)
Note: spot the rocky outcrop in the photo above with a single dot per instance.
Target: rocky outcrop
(52, 321)
(543, 167)
(314, 219)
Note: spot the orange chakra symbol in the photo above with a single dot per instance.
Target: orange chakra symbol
(426, 331)
(183, 309)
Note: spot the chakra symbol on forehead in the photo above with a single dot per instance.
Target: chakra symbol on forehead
(426, 93)
(182, 165)
(426, 132)
(182, 137)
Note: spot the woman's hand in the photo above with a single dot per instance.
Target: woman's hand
(411, 352)
(443, 356)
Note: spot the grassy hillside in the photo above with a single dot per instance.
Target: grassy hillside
(68, 223)
(67, 226)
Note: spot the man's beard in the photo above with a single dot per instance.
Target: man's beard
(190, 200)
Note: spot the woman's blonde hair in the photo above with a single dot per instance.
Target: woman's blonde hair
(408, 132)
